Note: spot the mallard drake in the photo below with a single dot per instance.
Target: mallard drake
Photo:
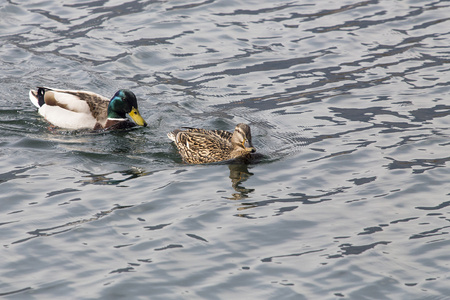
(197, 146)
(86, 110)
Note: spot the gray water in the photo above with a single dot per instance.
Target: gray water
(348, 103)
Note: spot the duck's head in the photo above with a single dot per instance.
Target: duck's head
(124, 102)
(242, 138)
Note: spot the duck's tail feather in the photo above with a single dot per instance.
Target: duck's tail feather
(37, 96)
(173, 135)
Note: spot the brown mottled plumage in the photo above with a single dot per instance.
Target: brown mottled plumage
(197, 146)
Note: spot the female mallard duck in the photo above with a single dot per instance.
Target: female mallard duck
(86, 110)
(198, 146)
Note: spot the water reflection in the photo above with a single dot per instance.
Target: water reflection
(418, 165)
(239, 173)
(350, 249)
(54, 230)
(10, 175)
(108, 178)
(92, 143)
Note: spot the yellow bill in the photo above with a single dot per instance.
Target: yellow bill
(136, 116)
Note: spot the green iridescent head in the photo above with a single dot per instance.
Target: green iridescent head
(124, 102)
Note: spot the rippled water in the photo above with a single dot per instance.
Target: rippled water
(348, 103)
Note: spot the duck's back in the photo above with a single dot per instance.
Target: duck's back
(70, 109)
(203, 146)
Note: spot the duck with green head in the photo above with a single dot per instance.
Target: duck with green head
(72, 109)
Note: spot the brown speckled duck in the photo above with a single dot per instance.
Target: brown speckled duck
(198, 146)
(86, 110)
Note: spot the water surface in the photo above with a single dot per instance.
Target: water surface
(348, 103)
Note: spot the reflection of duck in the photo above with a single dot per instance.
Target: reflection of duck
(108, 178)
(238, 174)
(86, 110)
(198, 146)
